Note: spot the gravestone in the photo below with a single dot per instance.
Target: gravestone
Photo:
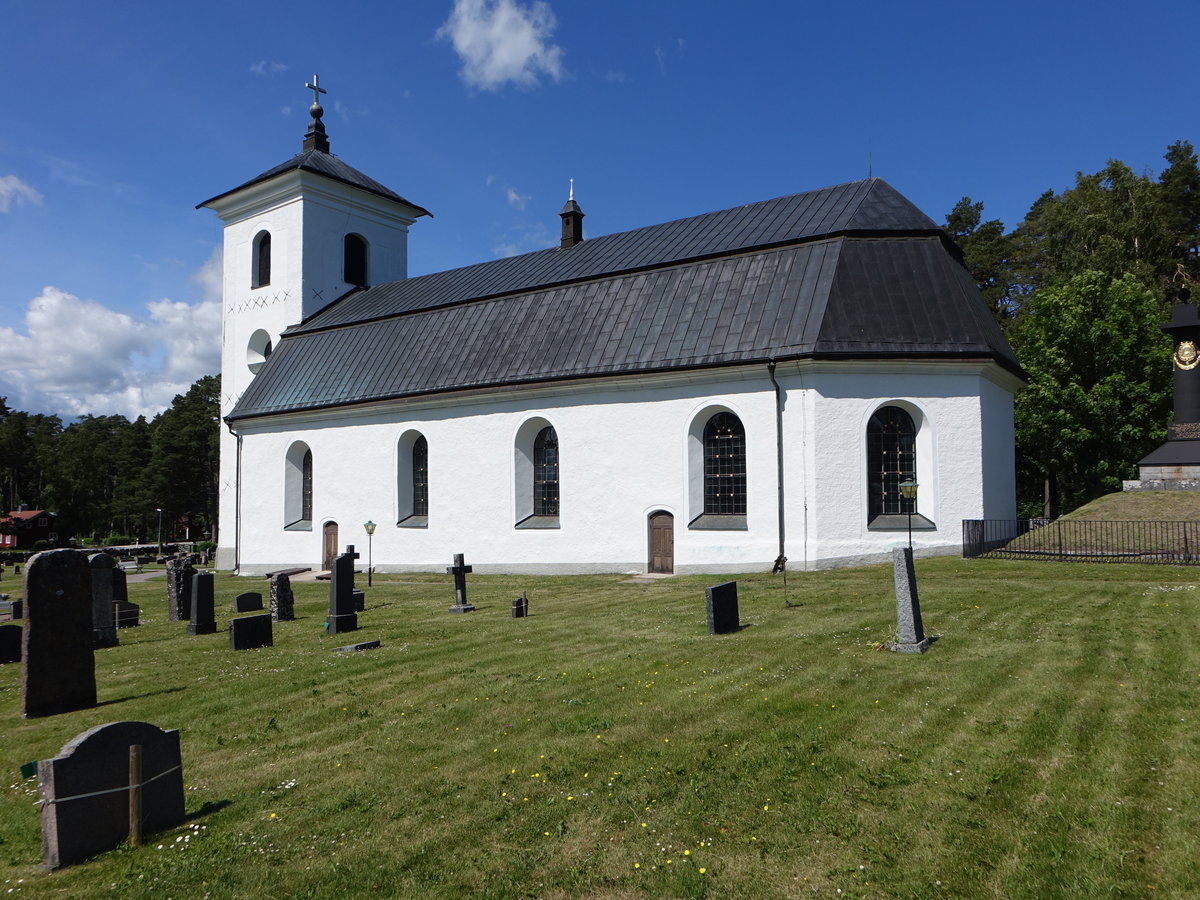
(520, 607)
(10, 643)
(910, 631)
(341, 616)
(459, 570)
(250, 632)
(203, 616)
(85, 790)
(11, 610)
(125, 614)
(363, 645)
(251, 601)
(722, 604)
(58, 666)
(179, 589)
(360, 600)
(282, 601)
(104, 629)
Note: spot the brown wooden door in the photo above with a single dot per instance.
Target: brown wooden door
(662, 542)
(330, 553)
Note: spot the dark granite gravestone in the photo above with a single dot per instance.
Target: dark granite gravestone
(179, 589)
(250, 632)
(722, 604)
(459, 570)
(203, 615)
(363, 645)
(104, 629)
(282, 601)
(10, 643)
(125, 614)
(11, 610)
(360, 600)
(910, 631)
(85, 790)
(520, 607)
(58, 666)
(341, 616)
(251, 601)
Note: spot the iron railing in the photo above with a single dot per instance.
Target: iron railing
(1162, 543)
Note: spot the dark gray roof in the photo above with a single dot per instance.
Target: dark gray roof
(331, 167)
(851, 272)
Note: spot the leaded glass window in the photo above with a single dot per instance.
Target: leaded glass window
(724, 466)
(262, 260)
(306, 486)
(545, 473)
(420, 477)
(891, 459)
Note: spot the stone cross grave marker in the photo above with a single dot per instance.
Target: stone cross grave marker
(251, 601)
(125, 614)
(722, 604)
(282, 601)
(250, 632)
(459, 570)
(92, 790)
(179, 589)
(58, 666)
(910, 631)
(341, 616)
(104, 628)
(203, 614)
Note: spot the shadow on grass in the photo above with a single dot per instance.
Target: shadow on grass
(174, 690)
(212, 806)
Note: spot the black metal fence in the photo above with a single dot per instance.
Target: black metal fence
(1163, 543)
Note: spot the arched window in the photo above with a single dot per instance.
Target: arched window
(545, 473)
(412, 480)
(298, 488)
(420, 477)
(261, 276)
(891, 459)
(724, 466)
(354, 260)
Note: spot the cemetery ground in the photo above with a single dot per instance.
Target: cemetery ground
(607, 746)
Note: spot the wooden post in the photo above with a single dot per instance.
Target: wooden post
(135, 795)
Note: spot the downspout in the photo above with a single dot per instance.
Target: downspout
(781, 560)
(237, 506)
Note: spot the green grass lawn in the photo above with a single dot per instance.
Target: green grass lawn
(607, 746)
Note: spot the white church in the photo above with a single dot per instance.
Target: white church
(714, 394)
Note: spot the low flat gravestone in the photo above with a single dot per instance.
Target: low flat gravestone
(342, 617)
(203, 615)
(58, 666)
(179, 589)
(520, 607)
(722, 603)
(10, 643)
(85, 790)
(910, 631)
(251, 601)
(125, 614)
(104, 628)
(250, 632)
(362, 645)
(459, 570)
(282, 600)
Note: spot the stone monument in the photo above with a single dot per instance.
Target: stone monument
(104, 627)
(282, 600)
(58, 666)
(341, 616)
(910, 632)
(459, 570)
(203, 614)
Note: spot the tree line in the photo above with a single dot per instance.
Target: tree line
(1080, 287)
(107, 477)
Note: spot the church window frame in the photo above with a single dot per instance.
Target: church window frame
(537, 475)
(412, 480)
(298, 488)
(718, 470)
(260, 275)
(895, 437)
(355, 259)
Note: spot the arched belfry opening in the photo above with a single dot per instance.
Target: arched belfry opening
(354, 260)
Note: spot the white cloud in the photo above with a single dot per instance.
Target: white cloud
(500, 41)
(517, 200)
(522, 239)
(80, 357)
(262, 67)
(15, 192)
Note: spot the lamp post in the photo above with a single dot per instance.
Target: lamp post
(908, 490)
(370, 527)
(160, 552)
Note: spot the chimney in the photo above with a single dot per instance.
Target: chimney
(572, 221)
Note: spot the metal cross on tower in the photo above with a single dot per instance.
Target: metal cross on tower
(317, 90)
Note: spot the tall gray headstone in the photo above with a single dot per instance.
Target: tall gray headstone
(84, 791)
(179, 589)
(58, 666)
(341, 616)
(910, 632)
(282, 601)
(104, 628)
(203, 617)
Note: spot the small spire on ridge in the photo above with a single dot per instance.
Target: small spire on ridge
(315, 138)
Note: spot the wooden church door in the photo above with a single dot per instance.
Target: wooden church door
(330, 536)
(662, 542)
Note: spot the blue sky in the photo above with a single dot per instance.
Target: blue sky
(119, 118)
